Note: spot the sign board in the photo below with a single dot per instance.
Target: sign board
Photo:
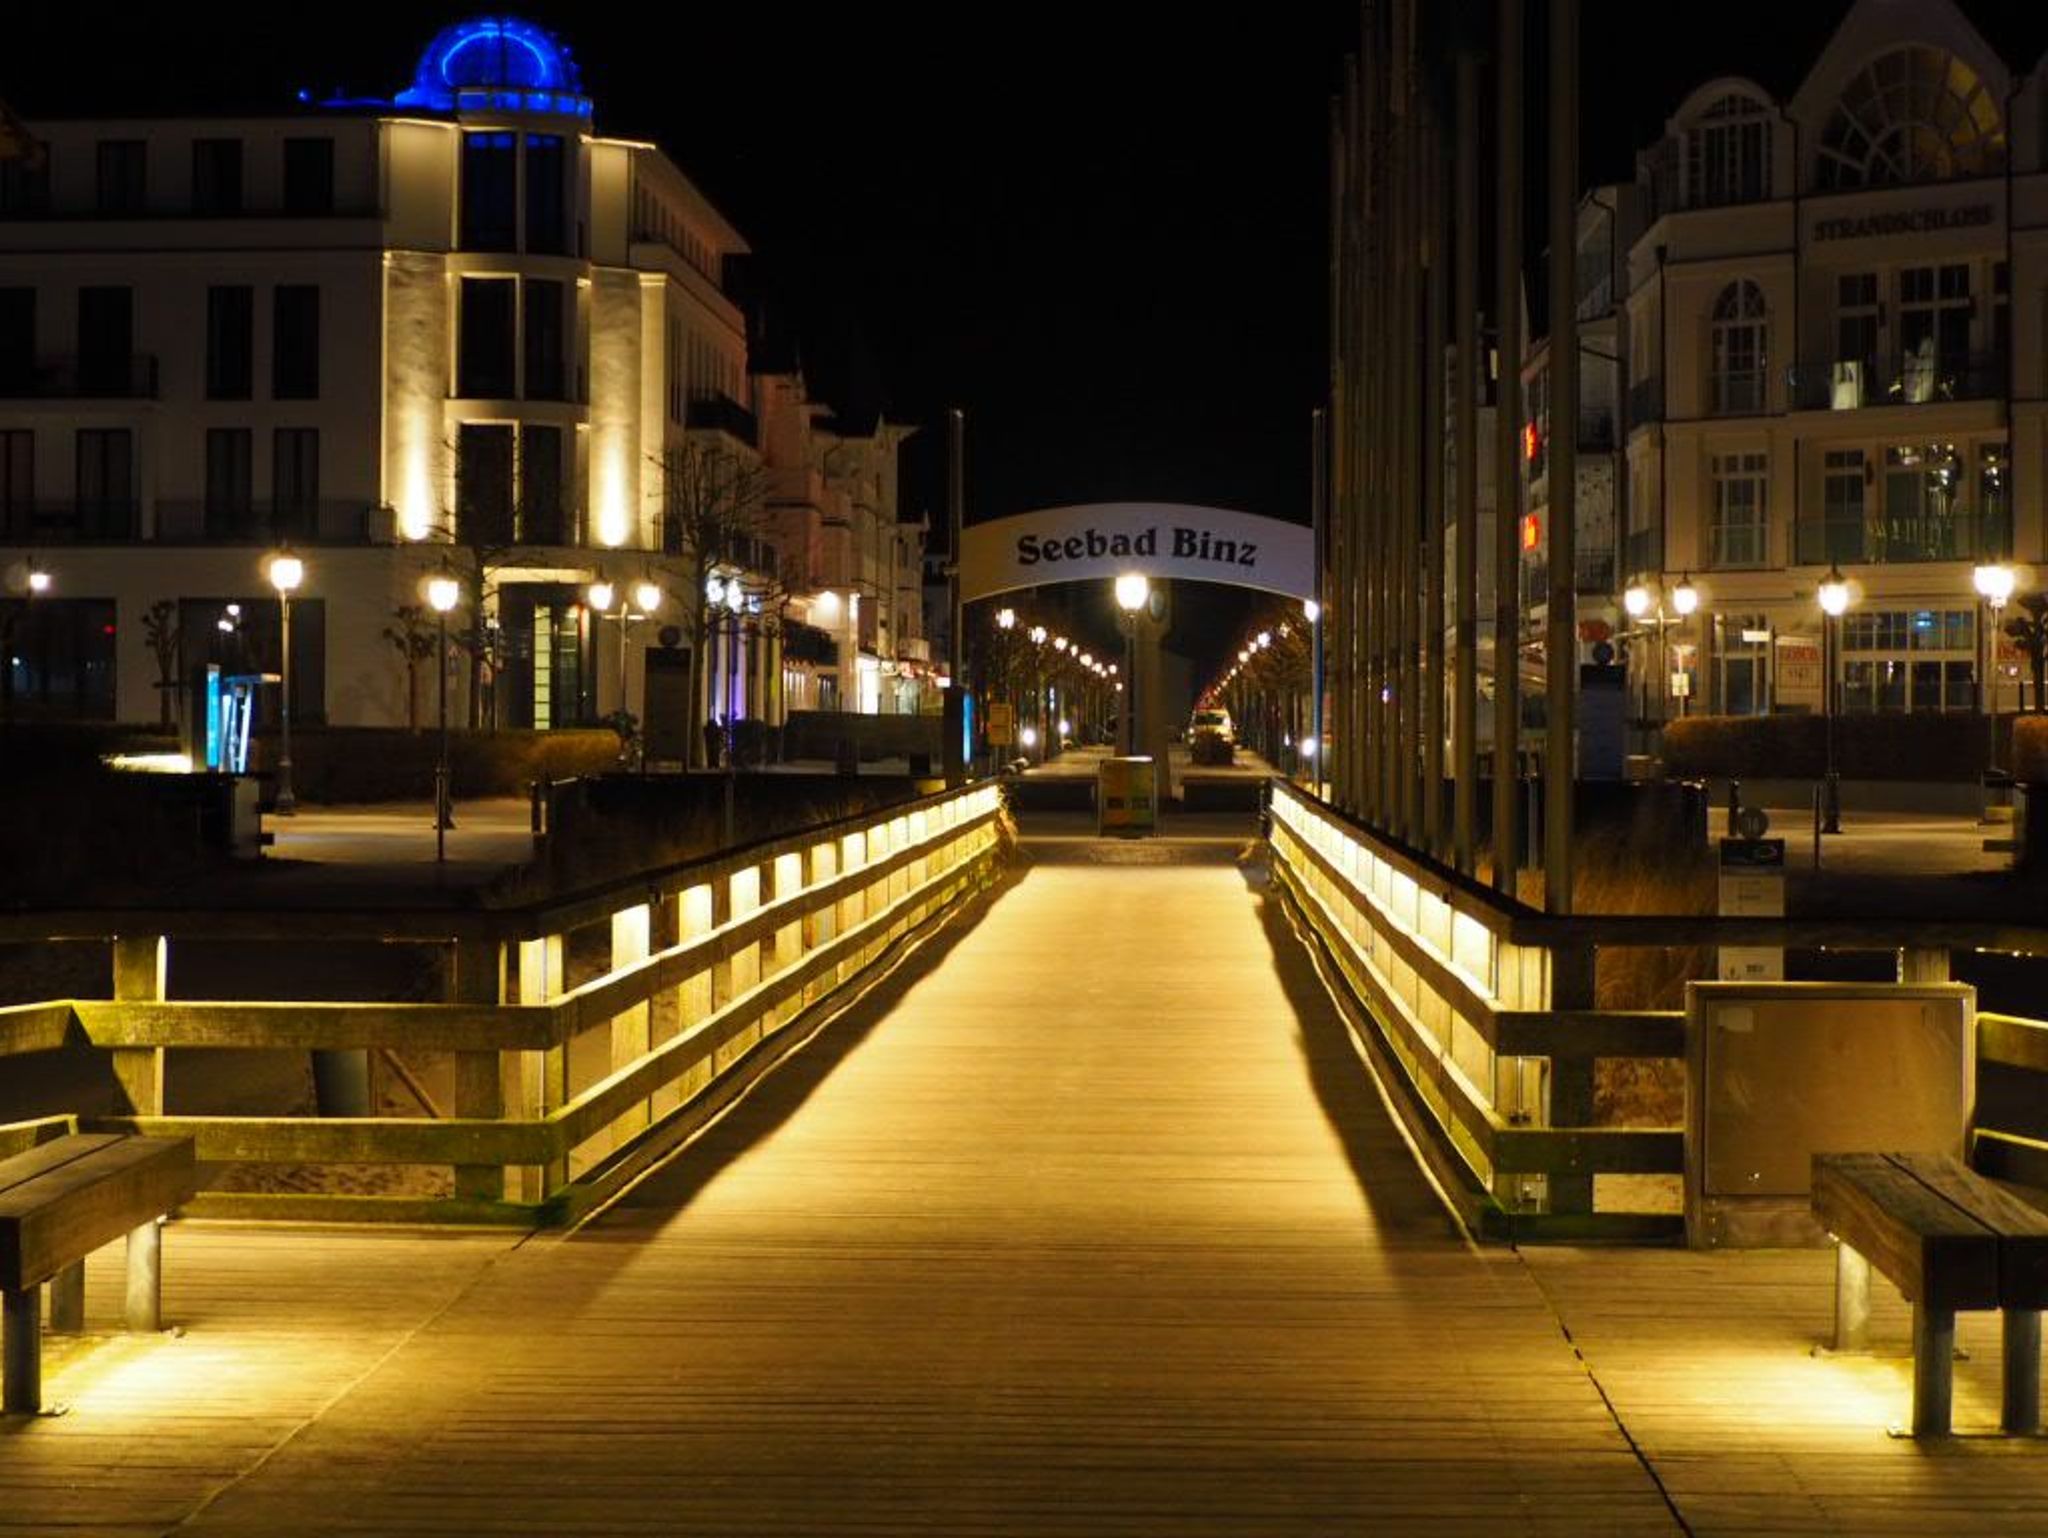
(1002, 723)
(1681, 686)
(1752, 886)
(1163, 540)
(1127, 796)
(1798, 669)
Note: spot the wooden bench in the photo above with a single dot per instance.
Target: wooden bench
(1948, 1239)
(59, 1202)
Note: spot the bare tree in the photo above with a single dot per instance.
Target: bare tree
(415, 639)
(164, 636)
(713, 514)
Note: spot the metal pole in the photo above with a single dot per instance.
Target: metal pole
(1561, 650)
(1507, 562)
(1831, 785)
(1319, 424)
(1432, 546)
(443, 821)
(287, 803)
(956, 502)
(1465, 603)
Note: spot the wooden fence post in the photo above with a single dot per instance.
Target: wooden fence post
(141, 975)
(540, 1078)
(475, 975)
(1571, 1078)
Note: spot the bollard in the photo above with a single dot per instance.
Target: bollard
(1816, 827)
(1734, 805)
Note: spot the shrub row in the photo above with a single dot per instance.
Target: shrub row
(344, 765)
(1867, 747)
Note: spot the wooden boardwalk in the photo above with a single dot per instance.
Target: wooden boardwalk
(1095, 1228)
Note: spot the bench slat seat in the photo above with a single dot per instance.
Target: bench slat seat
(1934, 1252)
(59, 1202)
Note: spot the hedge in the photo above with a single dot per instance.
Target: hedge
(2029, 758)
(1867, 747)
(345, 765)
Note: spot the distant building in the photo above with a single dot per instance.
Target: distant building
(1834, 335)
(459, 326)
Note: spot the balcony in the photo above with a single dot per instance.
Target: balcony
(1912, 379)
(1739, 545)
(330, 521)
(1739, 393)
(112, 378)
(1646, 401)
(720, 414)
(1896, 541)
(70, 521)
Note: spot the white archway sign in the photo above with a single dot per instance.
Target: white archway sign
(1165, 540)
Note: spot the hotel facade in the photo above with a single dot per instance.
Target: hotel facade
(1834, 348)
(456, 331)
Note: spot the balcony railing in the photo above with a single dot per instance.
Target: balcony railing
(724, 415)
(69, 521)
(113, 378)
(1643, 550)
(1741, 544)
(1646, 401)
(1888, 541)
(1911, 379)
(1739, 392)
(181, 522)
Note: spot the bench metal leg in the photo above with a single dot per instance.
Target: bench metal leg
(1934, 1354)
(1852, 1299)
(67, 1300)
(145, 1309)
(2022, 1411)
(21, 1374)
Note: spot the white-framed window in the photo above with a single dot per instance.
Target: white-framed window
(1737, 385)
(1741, 523)
(1728, 154)
(1915, 114)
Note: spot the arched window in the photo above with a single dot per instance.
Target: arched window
(1916, 114)
(1728, 154)
(1737, 386)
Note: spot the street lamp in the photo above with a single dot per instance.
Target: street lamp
(1006, 619)
(443, 593)
(1132, 593)
(1685, 601)
(1833, 596)
(1994, 582)
(286, 571)
(35, 585)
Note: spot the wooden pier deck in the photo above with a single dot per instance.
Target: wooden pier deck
(1086, 1222)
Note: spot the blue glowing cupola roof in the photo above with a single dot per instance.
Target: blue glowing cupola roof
(496, 64)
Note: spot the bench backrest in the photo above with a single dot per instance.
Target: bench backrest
(64, 1199)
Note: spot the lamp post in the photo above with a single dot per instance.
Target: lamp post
(1834, 603)
(35, 584)
(1132, 592)
(1312, 611)
(443, 593)
(1994, 582)
(286, 571)
(1685, 602)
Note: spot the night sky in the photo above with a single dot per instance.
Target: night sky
(1099, 228)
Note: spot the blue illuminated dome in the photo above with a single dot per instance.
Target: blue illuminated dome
(496, 63)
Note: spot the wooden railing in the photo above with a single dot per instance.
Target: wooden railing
(1480, 1013)
(561, 1093)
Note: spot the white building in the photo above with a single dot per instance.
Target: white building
(457, 327)
(1835, 321)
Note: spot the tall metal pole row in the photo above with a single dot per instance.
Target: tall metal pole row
(1561, 647)
(1414, 238)
(1372, 480)
(1432, 543)
(1465, 669)
(1340, 608)
(1507, 606)
(1351, 629)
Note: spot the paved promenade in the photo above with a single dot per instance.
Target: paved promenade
(1087, 1221)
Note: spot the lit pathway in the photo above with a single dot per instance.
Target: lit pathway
(1060, 1236)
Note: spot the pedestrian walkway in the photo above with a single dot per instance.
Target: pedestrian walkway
(1087, 1221)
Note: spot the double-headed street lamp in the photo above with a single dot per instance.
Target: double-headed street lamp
(286, 571)
(1834, 598)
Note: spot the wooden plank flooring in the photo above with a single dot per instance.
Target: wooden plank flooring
(1086, 1223)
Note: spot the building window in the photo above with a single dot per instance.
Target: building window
(1858, 316)
(547, 352)
(1743, 658)
(484, 357)
(542, 519)
(484, 484)
(1839, 537)
(230, 343)
(24, 187)
(62, 661)
(1920, 660)
(547, 194)
(1739, 356)
(678, 395)
(106, 340)
(1922, 482)
(1728, 154)
(230, 483)
(295, 483)
(295, 342)
(1740, 522)
(17, 483)
(490, 191)
(309, 176)
(106, 483)
(216, 176)
(123, 176)
(1915, 114)
(240, 635)
(1934, 330)
(1994, 503)
(17, 340)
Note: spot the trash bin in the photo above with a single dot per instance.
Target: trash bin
(1127, 797)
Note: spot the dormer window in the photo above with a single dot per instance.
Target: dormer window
(1916, 114)
(1728, 154)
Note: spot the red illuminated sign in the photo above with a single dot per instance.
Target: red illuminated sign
(1532, 532)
